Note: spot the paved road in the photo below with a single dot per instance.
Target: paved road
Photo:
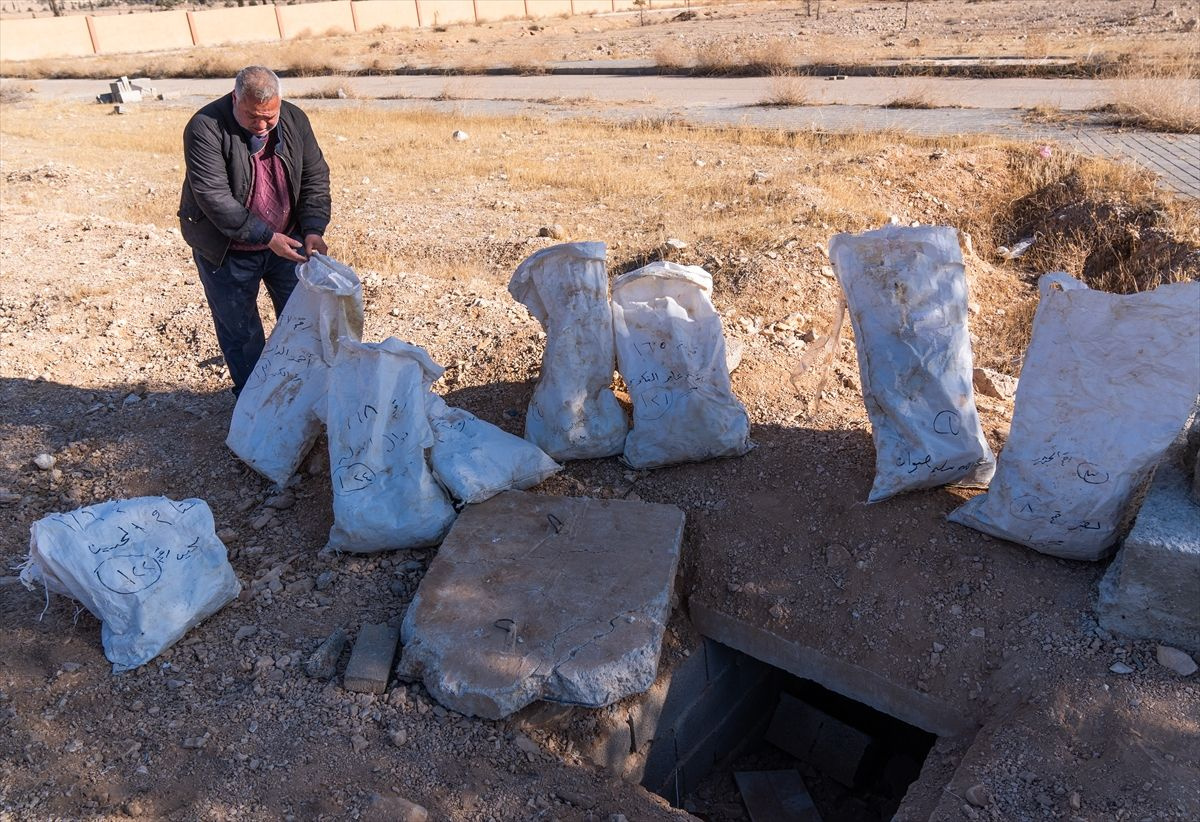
(965, 106)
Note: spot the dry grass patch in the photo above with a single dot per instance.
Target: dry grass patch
(337, 88)
(786, 89)
(1157, 99)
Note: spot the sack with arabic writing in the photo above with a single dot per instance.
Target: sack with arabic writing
(671, 355)
(148, 568)
(275, 421)
(1107, 383)
(384, 495)
(906, 291)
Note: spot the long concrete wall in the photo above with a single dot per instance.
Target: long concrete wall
(82, 36)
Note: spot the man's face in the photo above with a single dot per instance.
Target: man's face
(256, 116)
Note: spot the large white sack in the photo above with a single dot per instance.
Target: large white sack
(148, 568)
(475, 460)
(573, 413)
(671, 354)
(907, 296)
(1106, 384)
(384, 496)
(275, 421)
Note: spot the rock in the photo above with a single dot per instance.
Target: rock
(300, 586)
(322, 663)
(245, 632)
(1171, 658)
(673, 244)
(1076, 800)
(281, 501)
(582, 587)
(460, 136)
(72, 667)
(526, 745)
(994, 384)
(195, 742)
(398, 737)
(262, 520)
(358, 743)
(1120, 668)
(226, 535)
(554, 232)
(371, 660)
(44, 461)
(759, 177)
(390, 808)
(734, 348)
(978, 796)
(325, 580)
(837, 556)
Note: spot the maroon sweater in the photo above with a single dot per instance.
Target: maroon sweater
(270, 197)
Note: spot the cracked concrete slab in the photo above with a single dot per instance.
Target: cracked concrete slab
(533, 597)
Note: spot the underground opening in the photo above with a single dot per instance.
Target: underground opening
(758, 743)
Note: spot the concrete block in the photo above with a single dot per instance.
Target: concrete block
(776, 796)
(811, 735)
(322, 663)
(371, 660)
(128, 96)
(534, 597)
(1152, 588)
(838, 675)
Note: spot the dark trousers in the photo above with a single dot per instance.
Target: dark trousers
(232, 292)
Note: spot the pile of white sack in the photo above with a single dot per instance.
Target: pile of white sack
(1107, 382)
(397, 452)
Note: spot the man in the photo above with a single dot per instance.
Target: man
(255, 203)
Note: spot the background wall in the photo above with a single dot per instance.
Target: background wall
(81, 36)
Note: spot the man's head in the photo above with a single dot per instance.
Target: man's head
(256, 99)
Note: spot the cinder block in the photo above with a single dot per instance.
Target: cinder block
(1152, 588)
(371, 660)
(809, 734)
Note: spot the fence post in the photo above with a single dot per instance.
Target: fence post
(420, 24)
(192, 29)
(354, 15)
(92, 35)
(279, 23)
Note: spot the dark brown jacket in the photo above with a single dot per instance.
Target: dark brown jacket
(216, 187)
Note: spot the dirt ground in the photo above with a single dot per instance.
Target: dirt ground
(108, 363)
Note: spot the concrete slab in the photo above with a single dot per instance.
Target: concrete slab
(371, 660)
(534, 597)
(1152, 588)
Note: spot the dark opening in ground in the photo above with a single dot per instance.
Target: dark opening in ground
(809, 753)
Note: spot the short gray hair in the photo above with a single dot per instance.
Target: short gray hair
(257, 82)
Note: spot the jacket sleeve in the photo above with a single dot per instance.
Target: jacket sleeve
(313, 202)
(208, 178)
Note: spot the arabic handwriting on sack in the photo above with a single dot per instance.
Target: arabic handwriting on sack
(128, 575)
(1031, 508)
(917, 462)
(355, 476)
(947, 422)
(1089, 472)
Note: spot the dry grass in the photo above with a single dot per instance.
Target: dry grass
(787, 89)
(912, 99)
(1157, 99)
(337, 88)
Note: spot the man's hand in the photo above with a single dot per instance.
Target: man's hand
(314, 243)
(285, 247)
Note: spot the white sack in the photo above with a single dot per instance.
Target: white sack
(148, 568)
(384, 496)
(907, 295)
(475, 460)
(671, 354)
(1106, 384)
(275, 421)
(573, 413)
